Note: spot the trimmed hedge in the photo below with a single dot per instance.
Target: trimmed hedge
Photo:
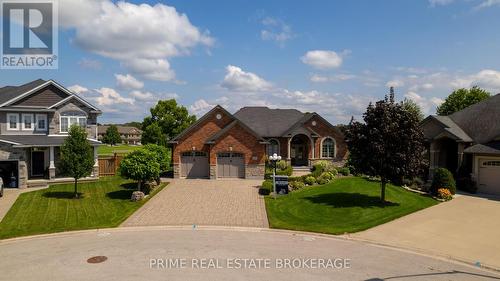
(266, 188)
(443, 179)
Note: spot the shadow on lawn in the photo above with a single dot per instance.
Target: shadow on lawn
(345, 200)
(123, 194)
(62, 195)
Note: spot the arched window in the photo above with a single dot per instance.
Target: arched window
(328, 148)
(273, 147)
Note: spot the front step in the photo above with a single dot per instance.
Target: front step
(37, 183)
(301, 171)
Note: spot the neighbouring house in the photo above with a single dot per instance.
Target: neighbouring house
(225, 145)
(467, 143)
(34, 121)
(129, 135)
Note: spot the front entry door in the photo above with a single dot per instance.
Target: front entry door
(299, 154)
(37, 163)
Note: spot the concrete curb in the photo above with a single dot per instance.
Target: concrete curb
(346, 237)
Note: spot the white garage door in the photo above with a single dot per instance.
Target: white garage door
(489, 176)
(194, 164)
(230, 165)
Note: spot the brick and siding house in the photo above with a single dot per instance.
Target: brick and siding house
(34, 121)
(225, 145)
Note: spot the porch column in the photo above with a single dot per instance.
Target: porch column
(52, 166)
(432, 160)
(95, 169)
(460, 150)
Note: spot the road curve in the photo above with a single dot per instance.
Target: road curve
(211, 253)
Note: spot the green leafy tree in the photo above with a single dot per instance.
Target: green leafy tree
(153, 134)
(461, 99)
(170, 117)
(77, 157)
(389, 144)
(112, 136)
(141, 166)
(412, 107)
(162, 155)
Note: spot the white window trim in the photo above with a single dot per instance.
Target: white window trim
(279, 148)
(23, 123)
(37, 118)
(8, 121)
(334, 147)
(78, 117)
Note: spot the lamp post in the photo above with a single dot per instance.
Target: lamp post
(274, 160)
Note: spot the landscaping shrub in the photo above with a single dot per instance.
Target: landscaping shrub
(444, 193)
(282, 165)
(310, 180)
(443, 179)
(415, 183)
(266, 188)
(344, 171)
(321, 167)
(296, 185)
(292, 179)
(282, 169)
(334, 172)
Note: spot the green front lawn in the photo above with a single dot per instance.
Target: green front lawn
(105, 203)
(348, 204)
(121, 149)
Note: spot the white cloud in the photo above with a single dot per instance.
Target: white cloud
(428, 105)
(78, 89)
(332, 78)
(434, 3)
(395, 83)
(151, 97)
(240, 81)
(128, 82)
(276, 30)
(200, 107)
(322, 59)
(109, 96)
(141, 37)
(487, 4)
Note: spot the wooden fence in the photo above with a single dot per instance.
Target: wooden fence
(108, 165)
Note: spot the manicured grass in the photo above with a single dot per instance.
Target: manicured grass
(105, 203)
(121, 149)
(348, 204)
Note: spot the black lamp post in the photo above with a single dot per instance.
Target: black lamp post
(274, 160)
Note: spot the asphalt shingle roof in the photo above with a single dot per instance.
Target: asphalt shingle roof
(453, 128)
(480, 121)
(488, 148)
(269, 122)
(9, 92)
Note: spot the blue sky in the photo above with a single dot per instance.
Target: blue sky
(332, 57)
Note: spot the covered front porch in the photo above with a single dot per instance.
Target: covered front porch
(37, 159)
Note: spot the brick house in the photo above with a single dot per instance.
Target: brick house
(225, 145)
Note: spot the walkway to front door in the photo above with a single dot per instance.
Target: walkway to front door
(204, 202)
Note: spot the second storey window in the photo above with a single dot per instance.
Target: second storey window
(27, 122)
(41, 122)
(12, 121)
(70, 119)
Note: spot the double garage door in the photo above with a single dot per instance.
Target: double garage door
(229, 165)
(489, 176)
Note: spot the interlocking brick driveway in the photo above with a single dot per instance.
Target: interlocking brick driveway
(204, 202)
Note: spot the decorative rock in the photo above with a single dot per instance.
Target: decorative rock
(137, 196)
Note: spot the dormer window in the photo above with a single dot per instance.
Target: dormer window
(69, 119)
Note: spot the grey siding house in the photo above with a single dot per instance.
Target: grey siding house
(34, 121)
(467, 143)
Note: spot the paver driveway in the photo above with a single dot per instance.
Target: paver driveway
(466, 228)
(204, 202)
